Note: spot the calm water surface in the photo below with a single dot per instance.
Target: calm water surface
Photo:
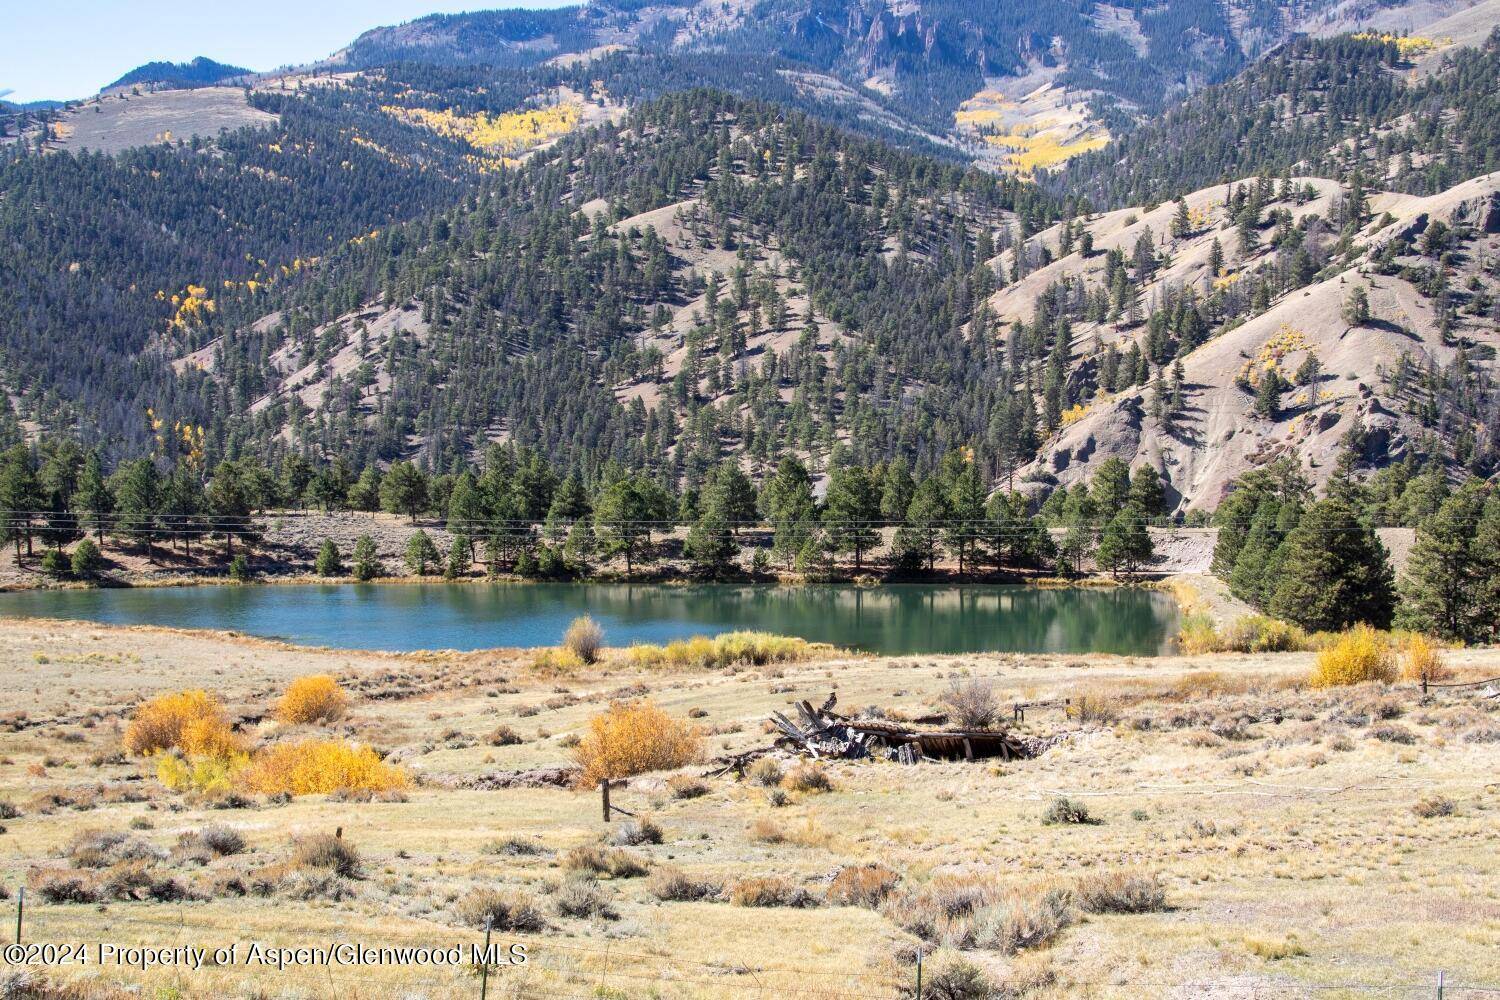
(903, 618)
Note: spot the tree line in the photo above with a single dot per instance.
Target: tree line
(515, 512)
(1318, 562)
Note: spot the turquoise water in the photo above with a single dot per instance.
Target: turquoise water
(902, 618)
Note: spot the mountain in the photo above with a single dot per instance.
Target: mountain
(201, 72)
(622, 236)
(7, 107)
(1022, 86)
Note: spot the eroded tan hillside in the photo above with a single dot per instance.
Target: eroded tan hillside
(1218, 436)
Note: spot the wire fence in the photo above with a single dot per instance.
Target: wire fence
(168, 523)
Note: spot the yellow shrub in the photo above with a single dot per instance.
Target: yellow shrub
(1261, 634)
(561, 660)
(314, 698)
(1421, 660)
(1197, 635)
(1360, 654)
(190, 721)
(317, 767)
(209, 737)
(212, 774)
(633, 738)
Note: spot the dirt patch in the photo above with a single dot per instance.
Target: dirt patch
(118, 122)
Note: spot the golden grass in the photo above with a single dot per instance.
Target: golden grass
(212, 775)
(729, 649)
(1246, 634)
(1352, 862)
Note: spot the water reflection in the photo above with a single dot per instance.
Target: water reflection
(904, 618)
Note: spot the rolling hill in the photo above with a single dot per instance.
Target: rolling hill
(200, 72)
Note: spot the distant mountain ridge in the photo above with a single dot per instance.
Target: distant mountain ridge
(201, 72)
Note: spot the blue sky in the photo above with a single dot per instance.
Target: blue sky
(66, 49)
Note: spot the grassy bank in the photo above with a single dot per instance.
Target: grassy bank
(1165, 865)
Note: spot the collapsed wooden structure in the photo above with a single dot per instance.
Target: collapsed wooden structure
(823, 733)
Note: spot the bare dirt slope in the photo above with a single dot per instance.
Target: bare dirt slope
(115, 122)
(1218, 437)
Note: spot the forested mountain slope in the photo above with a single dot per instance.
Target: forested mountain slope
(772, 283)
(588, 256)
(1322, 107)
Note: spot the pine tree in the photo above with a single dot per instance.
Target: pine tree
(1111, 487)
(92, 502)
(1250, 580)
(20, 495)
(460, 557)
(1182, 225)
(1147, 492)
(851, 509)
(1446, 576)
(966, 496)
(1334, 572)
(182, 506)
(296, 476)
(731, 496)
(86, 561)
(1079, 515)
(710, 544)
(925, 519)
(466, 510)
(582, 545)
(788, 504)
(1487, 548)
(621, 517)
(896, 488)
(1268, 394)
(1356, 310)
(364, 495)
(137, 489)
(420, 553)
(1125, 544)
(404, 490)
(366, 559)
(229, 504)
(329, 562)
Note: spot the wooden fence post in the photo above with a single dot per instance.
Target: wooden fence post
(604, 796)
(484, 967)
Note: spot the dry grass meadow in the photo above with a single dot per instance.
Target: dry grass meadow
(1229, 831)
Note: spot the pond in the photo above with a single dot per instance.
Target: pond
(894, 619)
